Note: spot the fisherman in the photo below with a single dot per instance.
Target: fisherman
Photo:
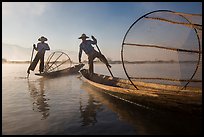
(41, 47)
(86, 46)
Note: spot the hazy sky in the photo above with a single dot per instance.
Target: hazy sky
(63, 22)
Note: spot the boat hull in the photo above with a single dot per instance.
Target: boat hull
(151, 95)
(68, 71)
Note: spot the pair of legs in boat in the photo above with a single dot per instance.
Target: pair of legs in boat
(98, 55)
(39, 57)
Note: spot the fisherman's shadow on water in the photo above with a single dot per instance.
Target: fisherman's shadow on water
(37, 93)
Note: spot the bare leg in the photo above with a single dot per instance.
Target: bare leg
(41, 67)
(91, 58)
(103, 59)
(34, 63)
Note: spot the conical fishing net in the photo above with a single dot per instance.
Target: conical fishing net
(164, 47)
(57, 61)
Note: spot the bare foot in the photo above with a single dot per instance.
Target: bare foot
(28, 71)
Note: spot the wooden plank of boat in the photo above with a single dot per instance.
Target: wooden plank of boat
(71, 70)
(160, 96)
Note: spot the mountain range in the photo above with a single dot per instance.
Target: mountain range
(12, 52)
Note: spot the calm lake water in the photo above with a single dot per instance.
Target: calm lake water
(68, 105)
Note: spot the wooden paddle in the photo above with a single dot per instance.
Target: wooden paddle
(31, 59)
(106, 59)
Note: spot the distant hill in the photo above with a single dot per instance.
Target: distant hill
(15, 52)
(11, 52)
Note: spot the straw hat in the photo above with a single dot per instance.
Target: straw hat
(42, 39)
(83, 36)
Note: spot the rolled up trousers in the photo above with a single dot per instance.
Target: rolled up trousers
(39, 57)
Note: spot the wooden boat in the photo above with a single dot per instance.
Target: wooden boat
(71, 70)
(152, 95)
(146, 121)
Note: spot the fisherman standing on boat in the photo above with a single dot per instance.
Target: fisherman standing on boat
(41, 47)
(86, 46)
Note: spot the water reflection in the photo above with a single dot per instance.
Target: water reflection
(37, 92)
(89, 111)
(146, 121)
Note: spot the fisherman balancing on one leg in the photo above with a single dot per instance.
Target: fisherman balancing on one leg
(41, 48)
(86, 46)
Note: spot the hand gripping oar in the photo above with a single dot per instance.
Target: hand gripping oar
(31, 60)
(106, 59)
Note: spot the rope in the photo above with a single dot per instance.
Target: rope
(160, 61)
(197, 26)
(131, 102)
(167, 48)
(187, 14)
(168, 79)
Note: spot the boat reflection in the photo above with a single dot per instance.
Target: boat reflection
(37, 92)
(146, 121)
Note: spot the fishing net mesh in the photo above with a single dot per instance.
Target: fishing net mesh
(164, 47)
(57, 61)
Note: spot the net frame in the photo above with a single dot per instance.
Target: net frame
(191, 25)
(48, 66)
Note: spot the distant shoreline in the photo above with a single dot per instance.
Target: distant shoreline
(110, 62)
